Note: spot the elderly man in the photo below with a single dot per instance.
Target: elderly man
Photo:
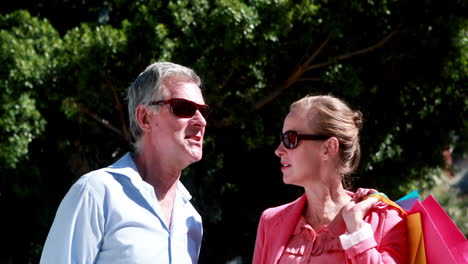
(137, 210)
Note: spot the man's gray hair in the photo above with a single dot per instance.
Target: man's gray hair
(151, 85)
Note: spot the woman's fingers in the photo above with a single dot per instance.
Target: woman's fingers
(360, 209)
(366, 205)
(362, 192)
(354, 213)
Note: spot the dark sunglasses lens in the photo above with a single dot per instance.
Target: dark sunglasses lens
(203, 110)
(290, 139)
(183, 109)
(187, 109)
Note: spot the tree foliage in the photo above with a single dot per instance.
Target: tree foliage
(66, 67)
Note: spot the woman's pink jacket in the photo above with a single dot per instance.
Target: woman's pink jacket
(387, 246)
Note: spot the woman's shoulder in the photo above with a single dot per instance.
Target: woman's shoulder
(385, 209)
(293, 207)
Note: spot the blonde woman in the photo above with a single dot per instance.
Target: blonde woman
(328, 224)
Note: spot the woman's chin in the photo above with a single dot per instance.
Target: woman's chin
(287, 180)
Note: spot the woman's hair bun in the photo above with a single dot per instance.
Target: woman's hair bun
(358, 119)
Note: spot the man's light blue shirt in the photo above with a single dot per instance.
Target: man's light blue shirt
(112, 216)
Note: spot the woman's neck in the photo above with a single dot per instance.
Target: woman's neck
(324, 203)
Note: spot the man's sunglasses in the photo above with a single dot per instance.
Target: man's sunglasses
(291, 138)
(183, 108)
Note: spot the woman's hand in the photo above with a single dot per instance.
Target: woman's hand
(354, 211)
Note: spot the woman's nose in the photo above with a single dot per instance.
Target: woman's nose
(279, 151)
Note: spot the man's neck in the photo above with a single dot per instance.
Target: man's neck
(163, 179)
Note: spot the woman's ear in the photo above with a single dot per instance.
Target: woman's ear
(332, 145)
(143, 117)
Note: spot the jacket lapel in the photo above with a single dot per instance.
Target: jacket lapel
(283, 226)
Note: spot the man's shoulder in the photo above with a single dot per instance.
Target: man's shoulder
(99, 176)
(93, 181)
(105, 175)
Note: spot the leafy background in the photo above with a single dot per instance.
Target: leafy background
(66, 65)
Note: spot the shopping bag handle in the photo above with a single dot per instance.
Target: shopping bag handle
(383, 198)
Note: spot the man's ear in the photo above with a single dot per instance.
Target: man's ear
(143, 117)
(332, 146)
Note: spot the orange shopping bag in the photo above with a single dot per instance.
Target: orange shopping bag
(416, 247)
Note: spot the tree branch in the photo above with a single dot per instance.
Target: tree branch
(317, 52)
(228, 78)
(301, 69)
(102, 121)
(293, 78)
(120, 109)
(355, 53)
(308, 80)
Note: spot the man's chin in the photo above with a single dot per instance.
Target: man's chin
(196, 156)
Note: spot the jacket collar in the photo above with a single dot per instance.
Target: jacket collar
(285, 224)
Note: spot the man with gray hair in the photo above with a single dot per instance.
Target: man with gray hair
(137, 210)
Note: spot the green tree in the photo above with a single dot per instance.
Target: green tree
(403, 63)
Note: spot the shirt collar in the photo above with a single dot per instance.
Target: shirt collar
(184, 193)
(126, 166)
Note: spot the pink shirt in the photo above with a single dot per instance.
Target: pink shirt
(279, 240)
(306, 246)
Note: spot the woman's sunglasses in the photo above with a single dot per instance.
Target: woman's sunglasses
(183, 108)
(291, 138)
